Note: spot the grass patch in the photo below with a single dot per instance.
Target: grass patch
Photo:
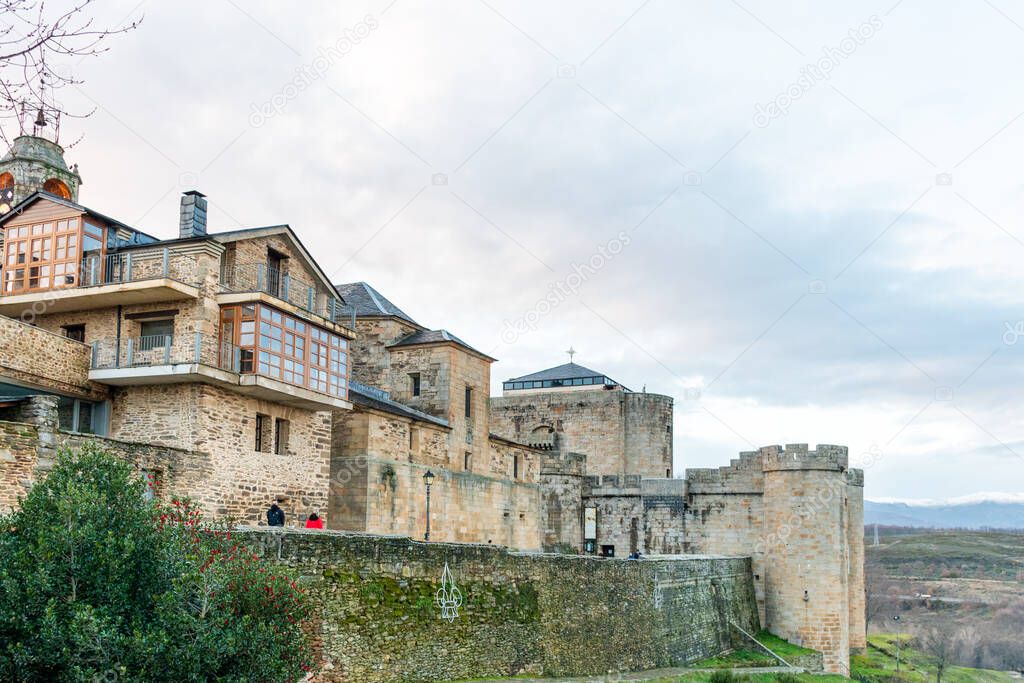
(782, 648)
(878, 665)
(737, 658)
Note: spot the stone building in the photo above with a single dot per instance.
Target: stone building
(228, 368)
(420, 403)
(607, 489)
(225, 347)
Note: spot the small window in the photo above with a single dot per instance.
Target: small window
(280, 436)
(607, 551)
(515, 466)
(414, 440)
(262, 425)
(668, 474)
(76, 332)
(414, 381)
(155, 334)
(467, 461)
(469, 402)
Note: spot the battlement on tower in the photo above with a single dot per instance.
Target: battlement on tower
(796, 456)
(741, 475)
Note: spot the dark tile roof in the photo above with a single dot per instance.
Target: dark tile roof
(435, 337)
(378, 399)
(567, 371)
(367, 301)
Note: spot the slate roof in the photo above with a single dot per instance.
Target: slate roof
(567, 371)
(435, 337)
(366, 397)
(367, 301)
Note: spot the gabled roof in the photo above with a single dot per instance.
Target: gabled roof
(223, 237)
(436, 337)
(284, 229)
(367, 396)
(39, 194)
(368, 303)
(567, 371)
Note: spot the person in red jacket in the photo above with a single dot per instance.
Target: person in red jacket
(314, 522)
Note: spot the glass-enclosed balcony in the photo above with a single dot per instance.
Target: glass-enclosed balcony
(68, 262)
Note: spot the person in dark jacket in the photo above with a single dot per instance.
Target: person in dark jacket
(314, 522)
(275, 515)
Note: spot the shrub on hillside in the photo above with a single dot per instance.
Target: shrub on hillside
(98, 584)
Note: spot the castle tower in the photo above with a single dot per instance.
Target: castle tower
(807, 558)
(34, 163)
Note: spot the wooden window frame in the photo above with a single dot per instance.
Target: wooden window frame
(284, 347)
(35, 255)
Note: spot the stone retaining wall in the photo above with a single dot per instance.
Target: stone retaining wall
(522, 613)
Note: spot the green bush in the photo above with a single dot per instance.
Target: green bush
(96, 584)
(722, 676)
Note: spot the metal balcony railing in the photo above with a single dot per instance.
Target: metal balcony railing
(134, 266)
(164, 349)
(259, 277)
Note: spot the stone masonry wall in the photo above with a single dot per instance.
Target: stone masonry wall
(855, 539)
(36, 357)
(799, 514)
(619, 432)
(807, 567)
(370, 357)
(554, 615)
(388, 497)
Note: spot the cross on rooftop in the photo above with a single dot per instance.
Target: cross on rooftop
(571, 352)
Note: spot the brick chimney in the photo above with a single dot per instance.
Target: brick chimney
(193, 215)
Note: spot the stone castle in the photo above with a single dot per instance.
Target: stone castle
(229, 368)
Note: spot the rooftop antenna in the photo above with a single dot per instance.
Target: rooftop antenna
(571, 352)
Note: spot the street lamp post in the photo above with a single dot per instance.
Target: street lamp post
(899, 635)
(428, 479)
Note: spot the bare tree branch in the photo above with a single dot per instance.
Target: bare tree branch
(37, 47)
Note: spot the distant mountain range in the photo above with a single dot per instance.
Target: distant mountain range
(990, 510)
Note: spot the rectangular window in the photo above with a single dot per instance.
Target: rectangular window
(467, 461)
(261, 427)
(280, 436)
(414, 440)
(414, 380)
(515, 466)
(261, 339)
(156, 334)
(76, 332)
(42, 256)
(469, 402)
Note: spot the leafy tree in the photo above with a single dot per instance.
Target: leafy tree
(98, 584)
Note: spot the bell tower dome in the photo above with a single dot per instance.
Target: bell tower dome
(35, 163)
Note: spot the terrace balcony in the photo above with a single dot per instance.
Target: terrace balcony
(246, 283)
(173, 359)
(102, 281)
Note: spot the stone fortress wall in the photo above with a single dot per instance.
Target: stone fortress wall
(521, 613)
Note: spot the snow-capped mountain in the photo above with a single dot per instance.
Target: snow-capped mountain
(974, 511)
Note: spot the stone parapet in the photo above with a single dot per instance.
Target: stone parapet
(798, 457)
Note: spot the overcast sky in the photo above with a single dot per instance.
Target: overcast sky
(801, 221)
